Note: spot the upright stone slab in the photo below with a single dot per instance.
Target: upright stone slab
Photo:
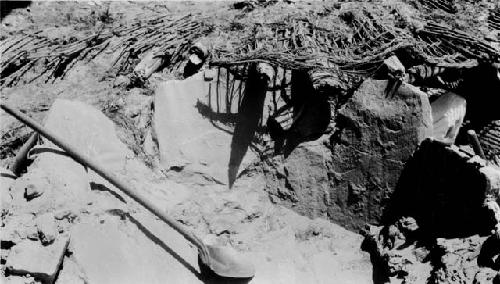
(376, 136)
(191, 145)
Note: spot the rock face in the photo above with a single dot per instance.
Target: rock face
(376, 136)
(350, 177)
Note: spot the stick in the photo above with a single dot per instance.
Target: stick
(475, 143)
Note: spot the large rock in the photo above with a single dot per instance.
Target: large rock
(376, 136)
(54, 180)
(350, 175)
(189, 142)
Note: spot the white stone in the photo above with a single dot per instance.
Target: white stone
(47, 228)
(448, 113)
(492, 176)
(41, 262)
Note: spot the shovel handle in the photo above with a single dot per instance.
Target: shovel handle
(474, 140)
(92, 164)
(19, 162)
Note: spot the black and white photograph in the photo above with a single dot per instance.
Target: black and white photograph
(250, 141)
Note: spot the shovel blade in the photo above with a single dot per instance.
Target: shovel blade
(226, 262)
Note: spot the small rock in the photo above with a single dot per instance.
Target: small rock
(41, 262)
(408, 223)
(121, 81)
(67, 214)
(492, 176)
(30, 185)
(47, 228)
(32, 191)
(209, 74)
(393, 64)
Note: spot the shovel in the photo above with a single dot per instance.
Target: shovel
(223, 261)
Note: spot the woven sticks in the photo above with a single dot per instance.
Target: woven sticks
(22, 53)
(441, 41)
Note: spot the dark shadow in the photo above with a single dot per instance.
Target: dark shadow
(211, 278)
(7, 175)
(206, 111)
(489, 253)
(40, 150)
(443, 192)
(250, 114)
(6, 7)
(125, 215)
(190, 69)
(102, 188)
(311, 112)
(380, 272)
(205, 275)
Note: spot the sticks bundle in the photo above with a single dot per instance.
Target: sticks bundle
(494, 19)
(53, 59)
(445, 5)
(442, 41)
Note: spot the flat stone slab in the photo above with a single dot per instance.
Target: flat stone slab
(120, 251)
(41, 262)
